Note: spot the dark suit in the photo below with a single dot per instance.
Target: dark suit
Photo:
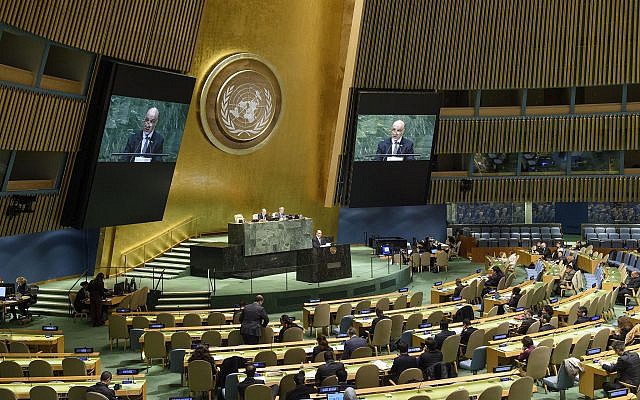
(134, 145)
(524, 326)
(427, 360)
(628, 369)
(582, 320)
(299, 392)
(546, 327)
(440, 337)
(352, 344)
(317, 242)
(103, 389)
(242, 386)
(466, 334)
(385, 148)
(328, 369)
(252, 319)
(400, 363)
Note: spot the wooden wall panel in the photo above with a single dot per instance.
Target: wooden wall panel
(543, 189)
(39, 122)
(542, 134)
(472, 44)
(159, 33)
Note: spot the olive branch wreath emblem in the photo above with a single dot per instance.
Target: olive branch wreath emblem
(258, 126)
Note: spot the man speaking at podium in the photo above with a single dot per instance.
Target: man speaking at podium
(393, 148)
(147, 141)
(317, 241)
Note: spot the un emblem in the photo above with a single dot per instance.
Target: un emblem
(240, 103)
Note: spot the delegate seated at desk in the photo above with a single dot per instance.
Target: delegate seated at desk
(22, 289)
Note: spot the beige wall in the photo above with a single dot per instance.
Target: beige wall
(305, 42)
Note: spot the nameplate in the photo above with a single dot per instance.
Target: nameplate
(553, 300)
(478, 271)
(414, 349)
(520, 309)
(503, 368)
(457, 298)
(437, 283)
(156, 326)
(403, 290)
(425, 325)
(127, 371)
(328, 389)
(83, 350)
(499, 337)
(595, 350)
(123, 310)
(595, 318)
(50, 328)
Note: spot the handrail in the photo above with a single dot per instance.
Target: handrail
(123, 268)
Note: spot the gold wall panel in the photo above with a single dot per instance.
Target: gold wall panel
(470, 44)
(543, 189)
(160, 33)
(540, 134)
(300, 40)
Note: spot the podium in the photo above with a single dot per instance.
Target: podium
(325, 264)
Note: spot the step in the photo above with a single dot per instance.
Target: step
(46, 295)
(181, 299)
(167, 272)
(149, 275)
(191, 306)
(180, 294)
(162, 265)
(172, 260)
(47, 311)
(177, 254)
(51, 304)
(181, 249)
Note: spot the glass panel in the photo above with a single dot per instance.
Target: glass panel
(490, 213)
(543, 163)
(603, 162)
(543, 212)
(495, 163)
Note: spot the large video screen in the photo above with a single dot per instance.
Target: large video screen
(377, 135)
(388, 150)
(142, 130)
(131, 141)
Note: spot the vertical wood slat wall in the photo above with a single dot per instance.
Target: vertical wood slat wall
(475, 44)
(541, 134)
(158, 33)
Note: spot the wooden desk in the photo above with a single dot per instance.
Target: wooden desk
(54, 359)
(179, 316)
(61, 384)
(594, 375)
(308, 309)
(363, 321)
(612, 279)
(490, 300)
(526, 257)
(196, 332)
(587, 263)
(562, 308)
(10, 303)
(35, 339)
(502, 352)
(442, 293)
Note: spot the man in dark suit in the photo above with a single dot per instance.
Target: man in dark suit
(252, 320)
(263, 215)
(545, 322)
(444, 333)
(147, 141)
(627, 367)
(632, 283)
(396, 145)
(352, 343)
(329, 368)
(250, 371)
(402, 362)
(467, 330)
(527, 321)
(301, 391)
(429, 358)
(317, 240)
(102, 387)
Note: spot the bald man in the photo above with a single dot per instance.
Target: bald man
(396, 145)
(146, 142)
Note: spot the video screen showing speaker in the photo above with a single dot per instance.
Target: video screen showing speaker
(392, 136)
(131, 141)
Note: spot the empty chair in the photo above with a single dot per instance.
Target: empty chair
(286, 384)
(476, 339)
(400, 302)
(521, 389)
(435, 317)
(192, 319)
(459, 394)
(18, 347)
(345, 324)
(413, 322)
(450, 350)
(548, 342)
(367, 376)
(382, 335)
(268, 357)
(180, 340)
(211, 338)
(200, 377)
(383, 304)
(343, 309)
(538, 362)
(362, 305)
(468, 294)
(216, 318)
(295, 355)
(140, 322)
(168, 320)
(154, 347)
(600, 339)
(491, 393)
(73, 366)
(43, 393)
(235, 338)
(77, 393)
(560, 382)
(10, 369)
(561, 352)
(40, 368)
(416, 299)
(266, 336)
(397, 322)
(493, 312)
(410, 375)
(118, 330)
(8, 394)
(477, 362)
(581, 346)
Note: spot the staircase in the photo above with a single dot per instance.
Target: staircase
(51, 302)
(177, 301)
